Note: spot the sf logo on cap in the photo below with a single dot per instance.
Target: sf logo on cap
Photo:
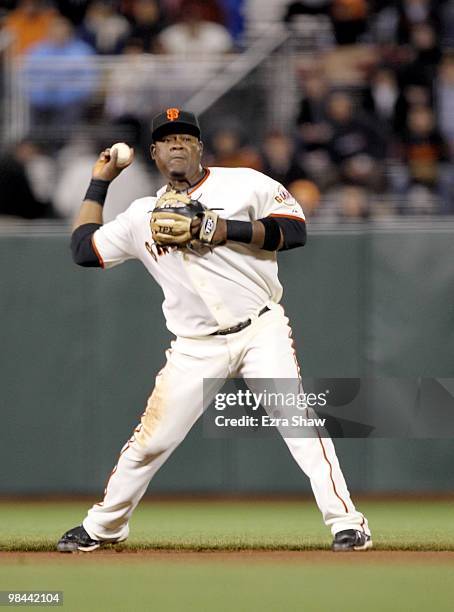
(173, 114)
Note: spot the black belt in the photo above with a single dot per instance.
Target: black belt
(239, 327)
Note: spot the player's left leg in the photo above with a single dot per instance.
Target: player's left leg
(269, 354)
(177, 401)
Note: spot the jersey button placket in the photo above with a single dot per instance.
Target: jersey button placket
(207, 292)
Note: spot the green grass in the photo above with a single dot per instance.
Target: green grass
(239, 587)
(419, 525)
(125, 583)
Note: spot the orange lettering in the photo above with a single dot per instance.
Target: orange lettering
(172, 114)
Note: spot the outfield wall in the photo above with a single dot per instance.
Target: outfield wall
(80, 349)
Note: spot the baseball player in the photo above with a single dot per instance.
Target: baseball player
(218, 273)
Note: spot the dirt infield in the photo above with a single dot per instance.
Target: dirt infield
(378, 557)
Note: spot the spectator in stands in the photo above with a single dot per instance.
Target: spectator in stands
(426, 56)
(415, 12)
(381, 95)
(279, 161)
(353, 203)
(423, 149)
(192, 35)
(356, 147)
(312, 120)
(39, 168)
(29, 23)
(74, 10)
(58, 93)
(147, 23)
(410, 96)
(317, 167)
(307, 194)
(444, 95)
(314, 132)
(349, 19)
(229, 150)
(383, 22)
(74, 162)
(447, 24)
(23, 185)
(103, 28)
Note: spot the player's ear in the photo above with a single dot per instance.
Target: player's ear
(200, 147)
(153, 151)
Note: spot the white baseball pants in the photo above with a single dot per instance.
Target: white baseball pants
(264, 349)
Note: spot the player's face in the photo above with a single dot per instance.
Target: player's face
(178, 156)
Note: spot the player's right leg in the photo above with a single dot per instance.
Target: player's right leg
(173, 407)
(270, 355)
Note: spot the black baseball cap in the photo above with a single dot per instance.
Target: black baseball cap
(174, 121)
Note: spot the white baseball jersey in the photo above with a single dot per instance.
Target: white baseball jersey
(204, 294)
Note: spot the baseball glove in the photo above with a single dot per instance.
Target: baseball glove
(172, 217)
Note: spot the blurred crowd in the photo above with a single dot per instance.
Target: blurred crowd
(107, 26)
(375, 124)
(373, 128)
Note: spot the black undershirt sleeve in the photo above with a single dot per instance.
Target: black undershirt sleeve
(82, 247)
(272, 238)
(293, 232)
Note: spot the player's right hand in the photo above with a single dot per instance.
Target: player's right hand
(106, 167)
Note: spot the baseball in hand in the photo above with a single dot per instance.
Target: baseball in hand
(123, 153)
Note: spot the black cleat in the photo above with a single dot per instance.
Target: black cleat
(351, 539)
(77, 539)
